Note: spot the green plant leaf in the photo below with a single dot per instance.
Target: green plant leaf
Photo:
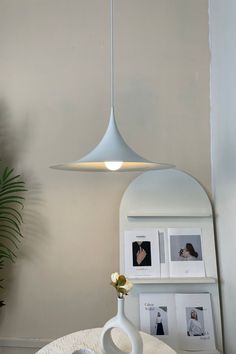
(7, 172)
(13, 184)
(11, 197)
(4, 227)
(10, 209)
(5, 253)
(8, 214)
(10, 233)
(5, 219)
(13, 190)
(11, 240)
(11, 200)
(11, 179)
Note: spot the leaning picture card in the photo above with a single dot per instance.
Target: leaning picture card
(184, 321)
(185, 252)
(163, 250)
(142, 253)
(158, 316)
(195, 324)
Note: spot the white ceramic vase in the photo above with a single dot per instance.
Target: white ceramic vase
(122, 322)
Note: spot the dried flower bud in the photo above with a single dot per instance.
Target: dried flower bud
(114, 277)
(121, 284)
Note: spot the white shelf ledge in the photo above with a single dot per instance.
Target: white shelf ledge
(157, 214)
(194, 280)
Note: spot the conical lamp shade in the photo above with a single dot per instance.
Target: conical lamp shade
(112, 154)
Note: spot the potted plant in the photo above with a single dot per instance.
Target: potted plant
(12, 189)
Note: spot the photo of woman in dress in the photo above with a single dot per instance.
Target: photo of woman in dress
(195, 327)
(141, 253)
(159, 325)
(159, 321)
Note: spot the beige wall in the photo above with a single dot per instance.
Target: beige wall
(54, 90)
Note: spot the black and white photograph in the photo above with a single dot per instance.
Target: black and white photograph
(141, 249)
(195, 321)
(159, 321)
(141, 253)
(186, 248)
(186, 252)
(158, 316)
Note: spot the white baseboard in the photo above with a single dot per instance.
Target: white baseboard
(24, 342)
(197, 352)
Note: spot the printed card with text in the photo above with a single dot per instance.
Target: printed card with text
(141, 251)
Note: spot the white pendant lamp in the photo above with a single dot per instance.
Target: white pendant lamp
(112, 153)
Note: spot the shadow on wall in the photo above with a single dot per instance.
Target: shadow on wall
(13, 144)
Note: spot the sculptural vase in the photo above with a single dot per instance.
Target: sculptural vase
(122, 322)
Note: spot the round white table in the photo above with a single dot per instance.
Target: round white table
(90, 338)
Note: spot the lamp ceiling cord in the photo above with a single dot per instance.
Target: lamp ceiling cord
(112, 53)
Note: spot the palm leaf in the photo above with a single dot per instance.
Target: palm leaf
(6, 214)
(5, 252)
(10, 229)
(7, 209)
(10, 179)
(11, 204)
(11, 190)
(11, 240)
(5, 219)
(5, 201)
(6, 173)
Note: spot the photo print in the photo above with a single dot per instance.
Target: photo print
(159, 321)
(186, 247)
(158, 316)
(195, 321)
(141, 251)
(183, 321)
(185, 252)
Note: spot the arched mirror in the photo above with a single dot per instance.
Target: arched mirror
(167, 248)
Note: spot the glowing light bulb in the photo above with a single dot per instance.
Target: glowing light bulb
(113, 165)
